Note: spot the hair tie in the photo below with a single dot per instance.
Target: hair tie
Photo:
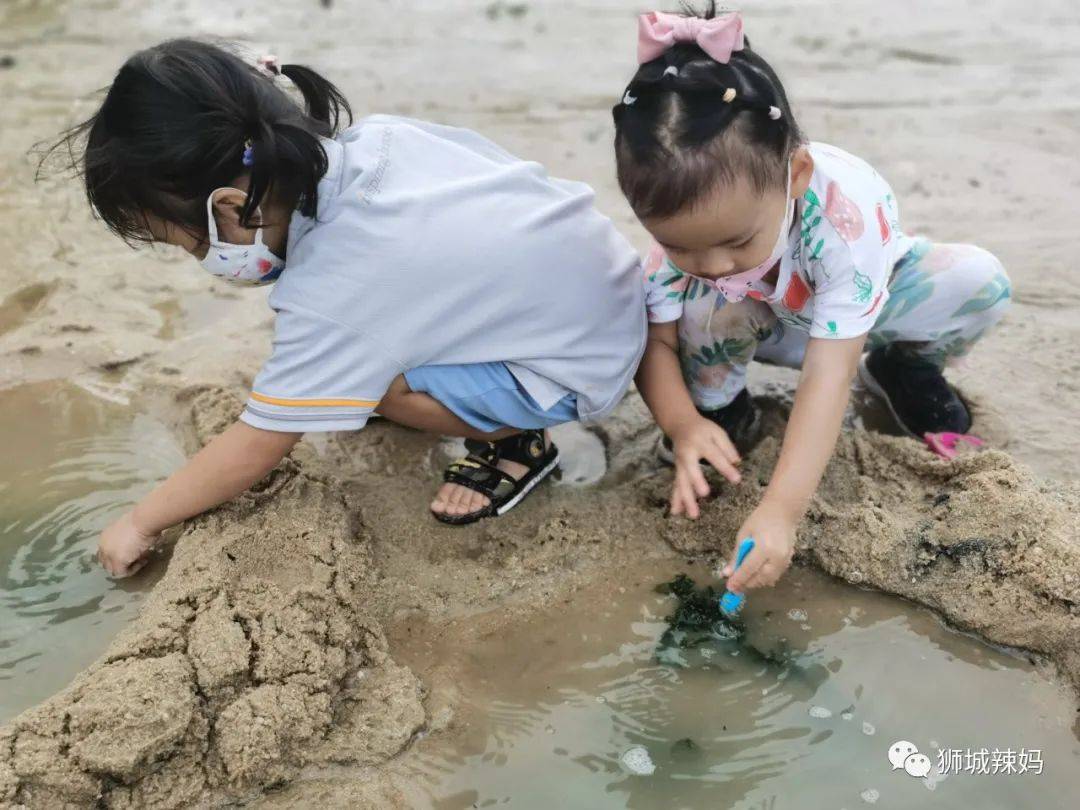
(775, 113)
(248, 157)
(628, 99)
(268, 64)
(671, 70)
(729, 94)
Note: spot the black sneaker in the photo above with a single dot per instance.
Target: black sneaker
(915, 391)
(739, 419)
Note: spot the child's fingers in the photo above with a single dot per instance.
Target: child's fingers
(726, 446)
(136, 566)
(737, 582)
(676, 499)
(689, 497)
(690, 468)
(715, 456)
(683, 490)
(764, 577)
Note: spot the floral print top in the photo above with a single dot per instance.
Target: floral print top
(834, 276)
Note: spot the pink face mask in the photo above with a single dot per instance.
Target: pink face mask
(736, 286)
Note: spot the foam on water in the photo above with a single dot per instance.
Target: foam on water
(637, 760)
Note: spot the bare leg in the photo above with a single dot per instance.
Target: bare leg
(418, 410)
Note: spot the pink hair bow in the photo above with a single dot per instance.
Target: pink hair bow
(718, 37)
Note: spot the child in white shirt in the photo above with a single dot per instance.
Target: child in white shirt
(420, 271)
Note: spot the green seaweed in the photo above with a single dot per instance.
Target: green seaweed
(697, 620)
(697, 623)
(698, 635)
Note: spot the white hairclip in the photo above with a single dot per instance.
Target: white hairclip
(628, 99)
(775, 113)
(729, 94)
(671, 71)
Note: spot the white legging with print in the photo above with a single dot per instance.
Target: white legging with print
(942, 300)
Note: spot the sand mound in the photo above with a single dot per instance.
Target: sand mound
(261, 650)
(253, 657)
(978, 539)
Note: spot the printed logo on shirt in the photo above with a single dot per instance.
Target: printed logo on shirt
(371, 190)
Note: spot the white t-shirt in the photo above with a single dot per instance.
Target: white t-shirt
(833, 279)
(435, 246)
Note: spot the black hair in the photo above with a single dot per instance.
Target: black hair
(676, 137)
(174, 126)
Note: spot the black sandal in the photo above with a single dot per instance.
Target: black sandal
(477, 471)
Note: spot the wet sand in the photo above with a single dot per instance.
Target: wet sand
(262, 653)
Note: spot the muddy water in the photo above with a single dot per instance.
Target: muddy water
(71, 463)
(800, 714)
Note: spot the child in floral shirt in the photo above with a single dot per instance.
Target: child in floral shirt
(773, 247)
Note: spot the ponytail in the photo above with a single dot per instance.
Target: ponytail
(186, 117)
(324, 102)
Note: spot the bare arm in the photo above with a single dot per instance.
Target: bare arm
(809, 441)
(660, 381)
(810, 438)
(227, 466)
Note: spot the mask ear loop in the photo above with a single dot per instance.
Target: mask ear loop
(211, 220)
(716, 305)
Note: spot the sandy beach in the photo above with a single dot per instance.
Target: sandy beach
(265, 655)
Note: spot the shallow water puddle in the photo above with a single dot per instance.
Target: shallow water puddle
(71, 464)
(575, 709)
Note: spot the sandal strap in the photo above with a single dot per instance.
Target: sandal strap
(488, 452)
(527, 447)
(475, 473)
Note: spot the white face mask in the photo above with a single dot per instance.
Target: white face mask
(736, 286)
(240, 264)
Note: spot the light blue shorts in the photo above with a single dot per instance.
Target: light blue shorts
(489, 397)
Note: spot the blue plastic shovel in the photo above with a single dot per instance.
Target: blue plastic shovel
(732, 603)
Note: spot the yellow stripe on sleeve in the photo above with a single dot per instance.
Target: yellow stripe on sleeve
(314, 403)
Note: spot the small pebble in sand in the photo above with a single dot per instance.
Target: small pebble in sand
(637, 760)
(549, 729)
(820, 711)
(601, 699)
(797, 615)
(868, 729)
(846, 715)
(870, 795)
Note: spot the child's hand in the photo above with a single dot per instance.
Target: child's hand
(774, 545)
(699, 439)
(123, 548)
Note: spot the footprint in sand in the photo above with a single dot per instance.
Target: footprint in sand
(21, 304)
